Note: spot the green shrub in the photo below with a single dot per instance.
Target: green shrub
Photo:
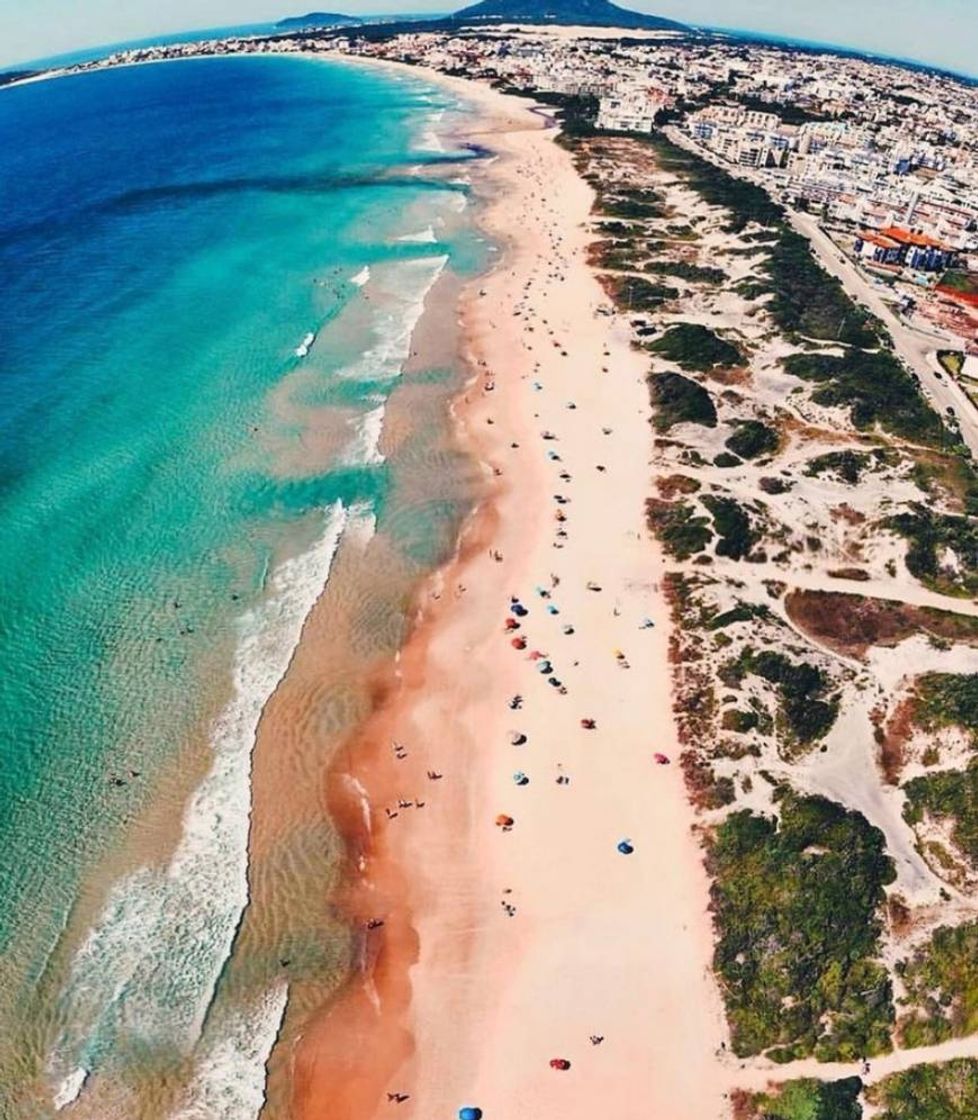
(941, 981)
(948, 796)
(928, 535)
(877, 391)
(678, 400)
(948, 700)
(806, 713)
(635, 293)
(679, 529)
(948, 1091)
(848, 465)
(733, 525)
(796, 905)
(809, 1099)
(696, 347)
(753, 439)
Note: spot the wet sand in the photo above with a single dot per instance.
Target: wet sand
(497, 949)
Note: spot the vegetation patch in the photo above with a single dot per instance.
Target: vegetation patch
(706, 790)
(807, 710)
(948, 700)
(746, 202)
(741, 722)
(797, 910)
(850, 624)
(848, 465)
(952, 361)
(876, 389)
(695, 347)
(810, 303)
(948, 1091)
(941, 981)
(950, 797)
(742, 612)
(942, 549)
(680, 530)
(806, 300)
(806, 1099)
(683, 270)
(678, 400)
(733, 526)
(753, 439)
(674, 484)
(635, 293)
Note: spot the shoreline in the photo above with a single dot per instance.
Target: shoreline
(441, 958)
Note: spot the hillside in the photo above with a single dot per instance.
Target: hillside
(595, 13)
(315, 19)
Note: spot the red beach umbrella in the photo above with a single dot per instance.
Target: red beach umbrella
(518, 643)
(661, 759)
(559, 1063)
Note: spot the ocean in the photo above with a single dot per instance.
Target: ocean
(213, 405)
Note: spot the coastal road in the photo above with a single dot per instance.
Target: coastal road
(916, 348)
(913, 346)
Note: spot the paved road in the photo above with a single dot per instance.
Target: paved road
(914, 347)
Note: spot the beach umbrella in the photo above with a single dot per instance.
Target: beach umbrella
(588, 724)
(519, 610)
(504, 821)
(545, 667)
(469, 1113)
(625, 847)
(559, 1063)
(517, 738)
(661, 759)
(520, 778)
(518, 643)
(511, 624)
(551, 609)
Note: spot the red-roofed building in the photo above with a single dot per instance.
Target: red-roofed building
(894, 245)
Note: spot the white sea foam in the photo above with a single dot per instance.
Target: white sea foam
(230, 1077)
(149, 968)
(424, 236)
(363, 800)
(403, 302)
(364, 449)
(361, 277)
(430, 140)
(302, 350)
(70, 1087)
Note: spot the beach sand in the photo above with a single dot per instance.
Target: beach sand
(503, 949)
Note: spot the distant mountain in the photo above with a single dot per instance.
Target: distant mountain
(316, 19)
(592, 13)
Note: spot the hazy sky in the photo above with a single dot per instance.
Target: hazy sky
(939, 31)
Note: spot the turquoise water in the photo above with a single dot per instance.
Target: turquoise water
(210, 274)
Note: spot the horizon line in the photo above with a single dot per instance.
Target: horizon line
(776, 39)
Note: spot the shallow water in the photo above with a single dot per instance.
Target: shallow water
(211, 274)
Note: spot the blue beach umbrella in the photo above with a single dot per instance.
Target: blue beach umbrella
(468, 1113)
(625, 847)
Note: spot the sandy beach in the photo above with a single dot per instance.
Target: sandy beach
(495, 950)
